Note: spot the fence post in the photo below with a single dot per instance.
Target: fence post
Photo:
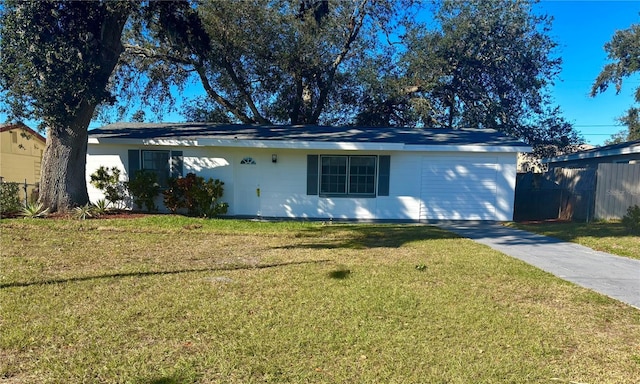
(26, 196)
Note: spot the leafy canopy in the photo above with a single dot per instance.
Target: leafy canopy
(624, 52)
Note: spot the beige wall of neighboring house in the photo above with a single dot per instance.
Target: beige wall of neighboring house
(21, 150)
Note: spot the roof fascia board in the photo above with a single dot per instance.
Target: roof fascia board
(592, 154)
(467, 148)
(278, 144)
(298, 144)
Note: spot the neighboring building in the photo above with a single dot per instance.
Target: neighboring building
(21, 150)
(326, 172)
(529, 162)
(623, 153)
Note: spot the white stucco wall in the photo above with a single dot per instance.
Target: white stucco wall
(282, 185)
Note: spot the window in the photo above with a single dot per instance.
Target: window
(158, 162)
(164, 163)
(348, 175)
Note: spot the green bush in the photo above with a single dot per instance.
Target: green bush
(100, 207)
(34, 210)
(631, 220)
(199, 197)
(108, 181)
(83, 212)
(143, 189)
(9, 199)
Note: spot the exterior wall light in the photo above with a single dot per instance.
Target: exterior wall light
(274, 158)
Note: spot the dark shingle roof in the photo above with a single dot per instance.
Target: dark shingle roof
(408, 136)
(627, 147)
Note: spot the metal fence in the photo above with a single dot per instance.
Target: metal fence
(578, 194)
(618, 188)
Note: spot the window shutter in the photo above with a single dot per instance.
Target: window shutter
(384, 170)
(312, 174)
(134, 162)
(176, 164)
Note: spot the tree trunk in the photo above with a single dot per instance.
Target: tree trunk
(63, 182)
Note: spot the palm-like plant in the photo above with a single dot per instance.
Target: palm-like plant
(34, 210)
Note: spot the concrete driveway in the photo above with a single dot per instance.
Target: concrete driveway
(614, 276)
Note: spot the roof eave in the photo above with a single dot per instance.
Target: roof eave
(321, 145)
(592, 155)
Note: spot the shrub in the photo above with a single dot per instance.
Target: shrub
(100, 207)
(143, 189)
(9, 199)
(83, 212)
(197, 196)
(34, 210)
(108, 181)
(631, 220)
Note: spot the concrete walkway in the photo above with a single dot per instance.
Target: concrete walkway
(614, 276)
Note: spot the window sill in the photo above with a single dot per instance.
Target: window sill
(351, 196)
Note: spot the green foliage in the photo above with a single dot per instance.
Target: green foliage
(488, 65)
(9, 199)
(197, 196)
(144, 188)
(100, 207)
(108, 181)
(631, 220)
(262, 61)
(632, 121)
(624, 55)
(83, 212)
(56, 57)
(34, 210)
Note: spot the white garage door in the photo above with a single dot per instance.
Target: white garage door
(459, 189)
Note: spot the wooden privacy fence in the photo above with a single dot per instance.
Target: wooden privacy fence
(578, 194)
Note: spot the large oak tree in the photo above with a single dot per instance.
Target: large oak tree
(57, 58)
(265, 61)
(480, 64)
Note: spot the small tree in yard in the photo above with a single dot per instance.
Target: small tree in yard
(144, 188)
(108, 181)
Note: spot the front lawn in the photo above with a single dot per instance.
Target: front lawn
(165, 299)
(606, 236)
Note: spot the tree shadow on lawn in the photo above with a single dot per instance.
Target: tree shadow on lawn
(155, 273)
(363, 236)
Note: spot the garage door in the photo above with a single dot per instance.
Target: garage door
(459, 189)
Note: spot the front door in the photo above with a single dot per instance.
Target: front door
(247, 197)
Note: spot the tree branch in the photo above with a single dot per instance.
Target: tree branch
(242, 87)
(219, 99)
(355, 24)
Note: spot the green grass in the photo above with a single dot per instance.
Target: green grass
(165, 299)
(606, 236)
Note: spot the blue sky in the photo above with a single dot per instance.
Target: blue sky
(581, 28)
